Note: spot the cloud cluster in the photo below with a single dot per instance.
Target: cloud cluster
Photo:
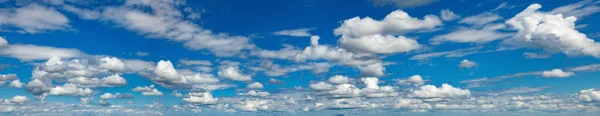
(32, 18)
(445, 91)
(552, 32)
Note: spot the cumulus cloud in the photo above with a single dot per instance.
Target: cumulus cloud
(19, 99)
(70, 89)
(373, 36)
(253, 105)
(369, 65)
(16, 84)
(448, 15)
(378, 43)
(7, 77)
(339, 79)
(255, 85)
(552, 32)
(302, 32)
(403, 3)
(200, 98)
(256, 93)
(445, 91)
(233, 73)
(3, 42)
(114, 80)
(32, 18)
(412, 80)
(589, 95)
(321, 86)
(557, 73)
(148, 90)
(466, 64)
(112, 64)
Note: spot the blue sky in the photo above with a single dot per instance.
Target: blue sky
(301, 57)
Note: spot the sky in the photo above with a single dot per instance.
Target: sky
(299, 57)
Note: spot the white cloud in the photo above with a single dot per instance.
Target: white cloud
(32, 18)
(70, 89)
(33, 52)
(412, 80)
(19, 99)
(275, 81)
(302, 32)
(165, 72)
(3, 42)
(378, 43)
(253, 105)
(558, 73)
(165, 20)
(16, 84)
(7, 77)
(114, 80)
(369, 65)
(256, 93)
(396, 22)
(112, 64)
(339, 79)
(233, 73)
(106, 96)
(589, 95)
(403, 3)
(446, 91)
(139, 53)
(321, 86)
(448, 15)
(466, 64)
(201, 98)
(148, 90)
(255, 85)
(412, 104)
(481, 19)
(552, 32)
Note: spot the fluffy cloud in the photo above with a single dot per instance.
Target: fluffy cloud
(446, 91)
(321, 86)
(589, 95)
(253, 105)
(70, 89)
(448, 15)
(255, 85)
(7, 77)
(396, 22)
(256, 93)
(148, 90)
(233, 73)
(114, 80)
(552, 32)
(16, 84)
(558, 73)
(339, 79)
(3, 42)
(466, 64)
(302, 32)
(378, 43)
(200, 98)
(470, 36)
(369, 65)
(112, 64)
(19, 99)
(165, 71)
(32, 18)
(412, 80)
(403, 3)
